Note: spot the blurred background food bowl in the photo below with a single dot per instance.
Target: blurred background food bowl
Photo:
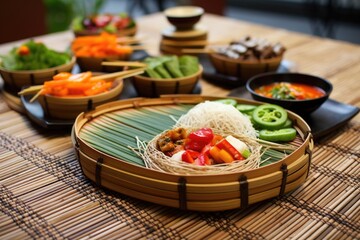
(184, 17)
(71, 107)
(15, 80)
(152, 87)
(120, 33)
(95, 63)
(243, 69)
(302, 107)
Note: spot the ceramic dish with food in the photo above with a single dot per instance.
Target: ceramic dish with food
(121, 25)
(247, 57)
(301, 93)
(168, 74)
(32, 63)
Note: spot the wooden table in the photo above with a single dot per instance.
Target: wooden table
(43, 193)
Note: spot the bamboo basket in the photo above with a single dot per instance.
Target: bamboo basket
(16, 80)
(71, 107)
(243, 70)
(189, 192)
(152, 87)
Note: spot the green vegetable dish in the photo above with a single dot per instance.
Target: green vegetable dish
(33, 56)
(171, 66)
(270, 120)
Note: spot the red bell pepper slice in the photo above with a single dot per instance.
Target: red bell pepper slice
(189, 156)
(224, 144)
(202, 135)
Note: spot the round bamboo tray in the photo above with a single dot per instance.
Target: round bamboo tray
(152, 87)
(16, 80)
(243, 70)
(71, 107)
(188, 192)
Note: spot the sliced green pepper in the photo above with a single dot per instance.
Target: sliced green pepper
(281, 135)
(227, 101)
(245, 108)
(269, 116)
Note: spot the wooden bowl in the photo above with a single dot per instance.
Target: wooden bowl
(121, 33)
(16, 80)
(301, 107)
(94, 63)
(212, 192)
(71, 107)
(184, 17)
(152, 87)
(243, 70)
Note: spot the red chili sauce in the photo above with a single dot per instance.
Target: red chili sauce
(290, 91)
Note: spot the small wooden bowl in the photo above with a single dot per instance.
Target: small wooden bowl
(243, 70)
(154, 87)
(121, 33)
(71, 107)
(184, 17)
(94, 63)
(16, 80)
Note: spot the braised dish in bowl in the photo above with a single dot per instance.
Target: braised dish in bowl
(300, 93)
(246, 58)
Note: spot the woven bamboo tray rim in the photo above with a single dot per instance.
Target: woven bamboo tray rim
(255, 185)
(200, 191)
(194, 201)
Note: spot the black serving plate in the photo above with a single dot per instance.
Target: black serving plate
(329, 116)
(36, 113)
(211, 75)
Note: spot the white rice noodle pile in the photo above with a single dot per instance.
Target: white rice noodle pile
(221, 118)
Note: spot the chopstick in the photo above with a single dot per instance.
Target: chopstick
(124, 74)
(124, 64)
(196, 50)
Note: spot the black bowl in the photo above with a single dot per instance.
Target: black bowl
(302, 107)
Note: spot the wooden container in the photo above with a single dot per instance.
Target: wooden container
(71, 107)
(216, 192)
(121, 33)
(243, 70)
(152, 87)
(94, 63)
(16, 80)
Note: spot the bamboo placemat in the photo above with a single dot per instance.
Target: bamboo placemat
(44, 194)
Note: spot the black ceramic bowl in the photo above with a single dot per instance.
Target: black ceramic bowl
(302, 107)
(184, 17)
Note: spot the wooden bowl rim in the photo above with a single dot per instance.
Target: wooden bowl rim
(171, 79)
(119, 81)
(261, 61)
(71, 62)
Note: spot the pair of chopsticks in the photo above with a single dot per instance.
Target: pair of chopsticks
(123, 74)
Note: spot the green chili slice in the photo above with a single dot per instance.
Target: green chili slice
(281, 135)
(269, 116)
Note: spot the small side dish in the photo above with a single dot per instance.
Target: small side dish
(301, 93)
(290, 91)
(121, 24)
(33, 55)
